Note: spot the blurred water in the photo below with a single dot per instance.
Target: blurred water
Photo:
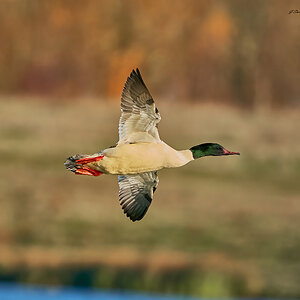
(23, 292)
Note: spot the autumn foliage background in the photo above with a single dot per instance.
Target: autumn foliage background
(229, 51)
(219, 71)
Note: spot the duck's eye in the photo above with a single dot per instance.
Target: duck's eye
(156, 110)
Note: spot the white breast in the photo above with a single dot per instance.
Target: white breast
(142, 157)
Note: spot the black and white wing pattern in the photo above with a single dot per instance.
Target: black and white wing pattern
(136, 193)
(139, 116)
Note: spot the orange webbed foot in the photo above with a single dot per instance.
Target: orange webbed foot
(87, 171)
(87, 160)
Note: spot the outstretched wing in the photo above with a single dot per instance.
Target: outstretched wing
(139, 118)
(136, 193)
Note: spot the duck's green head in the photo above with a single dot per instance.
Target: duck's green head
(210, 149)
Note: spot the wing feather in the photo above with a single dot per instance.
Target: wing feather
(136, 193)
(139, 115)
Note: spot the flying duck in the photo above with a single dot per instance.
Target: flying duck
(140, 152)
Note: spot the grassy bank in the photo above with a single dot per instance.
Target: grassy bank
(224, 226)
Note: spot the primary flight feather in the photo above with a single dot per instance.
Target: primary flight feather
(140, 152)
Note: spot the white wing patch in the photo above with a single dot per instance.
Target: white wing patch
(139, 114)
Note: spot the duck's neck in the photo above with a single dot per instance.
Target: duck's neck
(184, 156)
(197, 153)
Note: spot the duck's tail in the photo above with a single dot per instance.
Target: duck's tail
(77, 164)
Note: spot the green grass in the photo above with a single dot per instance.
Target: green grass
(225, 226)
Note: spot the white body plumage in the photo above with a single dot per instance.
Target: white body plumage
(140, 158)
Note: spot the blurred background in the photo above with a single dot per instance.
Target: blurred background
(220, 71)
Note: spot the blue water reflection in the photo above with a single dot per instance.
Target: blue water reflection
(24, 292)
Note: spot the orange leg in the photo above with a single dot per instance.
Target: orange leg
(87, 171)
(87, 160)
